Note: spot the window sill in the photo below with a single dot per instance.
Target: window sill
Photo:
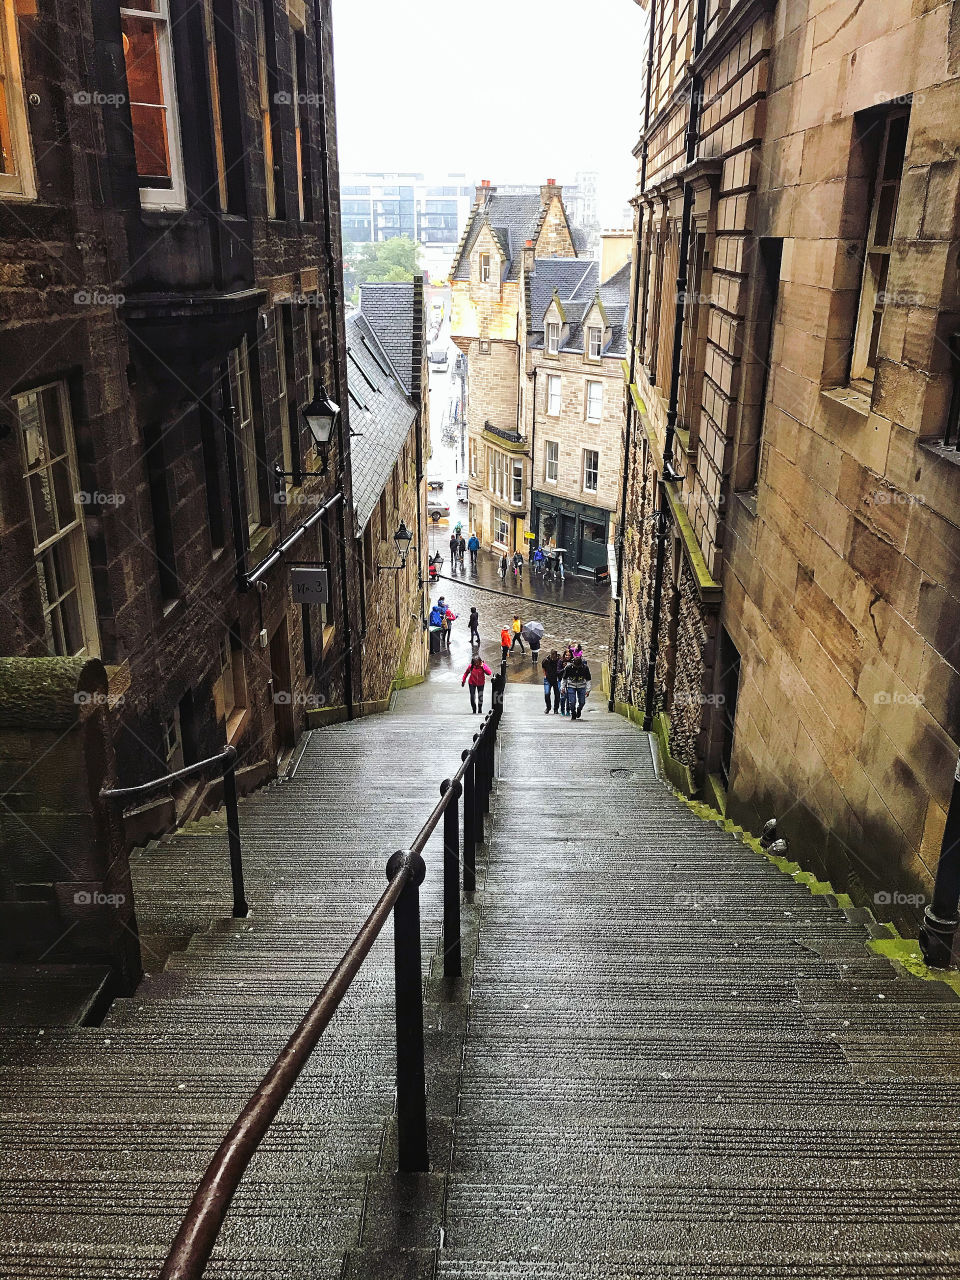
(849, 398)
(748, 500)
(259, 536)
(236, 724)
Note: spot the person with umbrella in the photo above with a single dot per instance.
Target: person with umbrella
(533, 634)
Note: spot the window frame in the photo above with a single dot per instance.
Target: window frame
(598, 330)
(209, 21)
(548, 460)
(21, 183)
(500, 518)
(71, 536)
(485, 266)
(875, 275)
(587, 470)
(514, 475)
(264, 110)
(552, 338)
(554, 378)
(245, 429)
(174, 196)
(591, 384)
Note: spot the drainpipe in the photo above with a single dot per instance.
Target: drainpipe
(333, 290)
(693, 129)
(639, 270)
(416, 378)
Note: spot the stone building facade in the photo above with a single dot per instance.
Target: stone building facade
(794, 415)
(574, 343)
(171, 303)
(387, 379)
(487, 325)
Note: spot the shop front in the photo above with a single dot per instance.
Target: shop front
(581, 531)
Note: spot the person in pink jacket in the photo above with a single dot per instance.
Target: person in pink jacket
(476, 673)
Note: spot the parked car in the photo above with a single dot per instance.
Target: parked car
(439, 359)
(437, 510)
(434, 483)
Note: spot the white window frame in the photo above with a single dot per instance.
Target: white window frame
(593, 413)
(553, 337)
(595, 337)
(515, 476)
(22, 182)
(174, 196)
(246, 435)
(876, 263)
(551, 463)
(595, 470)
(554, 395)
(486, 268)
(500, 520)
(473, 458)
(68, 539)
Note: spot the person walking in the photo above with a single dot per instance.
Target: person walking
(449, 618)
(517, 567)
(503, 567)
(551, 683)
(473, 546)
(517, 634)
(453, 549)
(505, 638)
(565, 659)
(578, 686)
(476, 673)
(538, 559)
(475, 626)
(461, 549)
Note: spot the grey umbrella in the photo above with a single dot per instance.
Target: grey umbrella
(533, 631)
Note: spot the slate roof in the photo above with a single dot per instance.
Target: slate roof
(381, 413)
(513, 220)
(576, 283)
(388, 310)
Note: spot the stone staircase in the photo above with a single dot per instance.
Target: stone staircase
(666, 1058)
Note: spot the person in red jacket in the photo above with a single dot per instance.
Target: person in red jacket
(476, 673)
(506, 640)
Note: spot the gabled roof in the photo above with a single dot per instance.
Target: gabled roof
(513, 219)
(381, 413)
(575, 284)
(388, 310)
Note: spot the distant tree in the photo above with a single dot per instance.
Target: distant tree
(385, 262)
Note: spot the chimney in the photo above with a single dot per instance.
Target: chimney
(528, 256)
(549, 190)
(615, 250)
(484, 191)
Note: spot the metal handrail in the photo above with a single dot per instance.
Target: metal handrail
(226, 762)
(197, 1235)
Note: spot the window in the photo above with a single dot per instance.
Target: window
(876, 264)
(501, 526)
(16, 164)
(239, 363)
(553, 395)
(516, 493)
(368, 561)
(274, 190)
(594, 401)
(473, 458)
(591, 470)
(498, 477)
(230, 688)
(172, 742)
(209, 430)
(148, 55)
(484, 346)
(213, 80)
(59, 542)
(383, 516)
(165, 548)
(484, 268)
(395, 488)
(551, 466)
(769, 259)
(298, 60)
(553, 338)
(596, 343)
(280, 314)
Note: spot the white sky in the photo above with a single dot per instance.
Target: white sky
(452, 86)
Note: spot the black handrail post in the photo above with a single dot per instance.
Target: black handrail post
(470, 818)
(491, 763)
(452, 962)
(241, 908)
(412, 1154)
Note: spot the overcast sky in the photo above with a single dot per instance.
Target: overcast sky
(510, 90)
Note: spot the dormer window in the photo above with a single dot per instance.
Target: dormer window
(484, 268)
(553, 338)
(596, 342)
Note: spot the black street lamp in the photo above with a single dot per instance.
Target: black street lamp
(321, 416)
(402, 540)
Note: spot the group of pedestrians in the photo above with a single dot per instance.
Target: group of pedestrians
(442, 616)
(515, 562)
(566, 681)
(459, 546)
